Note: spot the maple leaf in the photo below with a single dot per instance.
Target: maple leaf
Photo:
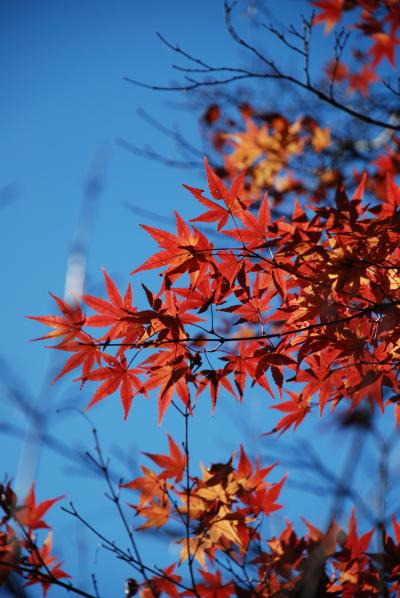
(253, 306)
(396, 528)
(244, 365)
(328, 540)
(296, 413)
(69, 325)
(357, 545)
(168, 318)
(188, 251)
(117, 313)
(86, 353)
(217, 212)
(226, 271)
(248, 477)
(170, 372)
(10, 552)
(157, 514)
(274, 360)
(45, 561)
(336, 71)
(392, 194)
(197, 548)
(201, 297)
(150, 486)
(263, 499)
(31, 514)
(166, 583)
(265, 151)
(384, 47)
(116, 374)
(244, 468)
(173, 466)
(212, 586)
(214, 379)
(8, 502)
(219, 191)
(331, 13)
(361, 81)
(319, 378)
(397, 415)
(218, 482)
(320, 138)
(254, 235)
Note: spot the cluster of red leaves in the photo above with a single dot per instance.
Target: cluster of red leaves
(313, 299)
(306, 306)
(378, 22)
(19, 549)
(224, 510)
(274, 151)
(269, 147)
(310, 301)
(221, 506)
(388, 163)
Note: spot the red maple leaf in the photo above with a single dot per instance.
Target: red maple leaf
(244, 365)
(86, 353)
(188, 251)
(231, 198)
(69, 325)
(384, 47)
(296, 410)
(116, 374)
(117, 313)
(357, 545)
(173, 465)
(46, 563)
(254, 233)
(361, 81)
(31, 514)
(263, 500)
(170, 372)
(212, 586)
(331, 12)
(214, 379)
(166, 583)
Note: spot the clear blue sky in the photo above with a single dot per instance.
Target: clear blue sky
(63, 103)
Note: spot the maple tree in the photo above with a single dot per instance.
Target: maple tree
(285, 281)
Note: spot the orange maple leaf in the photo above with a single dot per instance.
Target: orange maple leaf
(157, 514)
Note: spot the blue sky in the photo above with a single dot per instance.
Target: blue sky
(63, 104)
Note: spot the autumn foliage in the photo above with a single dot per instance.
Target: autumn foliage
(282, 282)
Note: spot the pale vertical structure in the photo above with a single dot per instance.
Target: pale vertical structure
(75, 279)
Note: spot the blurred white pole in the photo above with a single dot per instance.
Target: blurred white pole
(74, 288)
